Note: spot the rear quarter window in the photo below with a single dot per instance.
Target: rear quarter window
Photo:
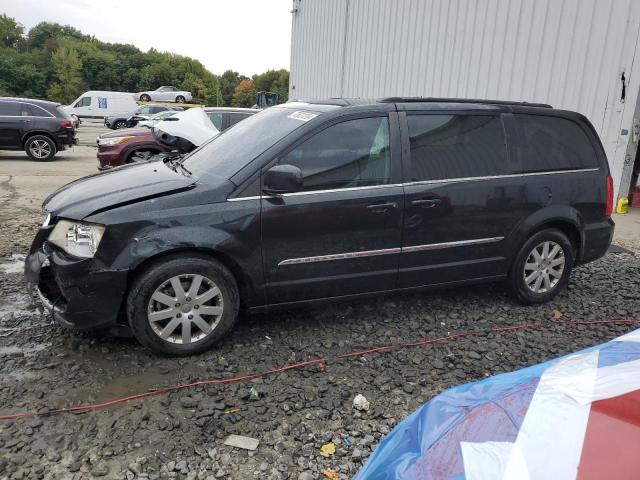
(547, 143)
(447, 147)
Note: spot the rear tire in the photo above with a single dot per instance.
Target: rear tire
(40, 148)
(183, 304)
(180, 99)
(542, 267)
(145, 98)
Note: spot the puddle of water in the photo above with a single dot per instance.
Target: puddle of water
(16, 265)
(120, 386)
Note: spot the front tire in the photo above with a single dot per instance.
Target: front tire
(120, 124)
(183, 304)
(40, 148)
(542, 267)
(180, 99)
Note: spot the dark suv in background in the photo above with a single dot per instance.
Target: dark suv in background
(38, 127)
(305, 202)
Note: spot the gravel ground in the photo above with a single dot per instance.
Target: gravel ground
(180, 435)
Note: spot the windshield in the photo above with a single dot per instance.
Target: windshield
(231, 150)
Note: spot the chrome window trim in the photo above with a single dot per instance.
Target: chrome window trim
(421, 182)
(492, 177)
(387, 251)
(313, 192)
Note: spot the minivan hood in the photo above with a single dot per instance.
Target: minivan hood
(110, 189)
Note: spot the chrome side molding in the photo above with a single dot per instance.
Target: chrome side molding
(340, 256)
(388, 251)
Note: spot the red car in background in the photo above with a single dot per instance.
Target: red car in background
(125, 146)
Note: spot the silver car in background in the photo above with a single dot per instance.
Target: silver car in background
(153, 119)
(165, 93)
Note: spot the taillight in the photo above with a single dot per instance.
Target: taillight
(608, 206)
(66, 123)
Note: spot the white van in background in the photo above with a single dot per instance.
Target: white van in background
(99, 104)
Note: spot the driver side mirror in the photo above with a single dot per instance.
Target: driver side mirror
(281, 179)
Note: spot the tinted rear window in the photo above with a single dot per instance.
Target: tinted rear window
(456, 146)
(551, 144)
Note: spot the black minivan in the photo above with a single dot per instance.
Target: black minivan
(309, 201)
(38, 127)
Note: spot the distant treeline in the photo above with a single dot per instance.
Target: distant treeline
(58, 62)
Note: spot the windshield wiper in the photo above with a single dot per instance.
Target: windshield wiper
(179, 164)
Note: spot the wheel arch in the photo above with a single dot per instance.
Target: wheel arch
(43, 133)
(228, 261)
(564, 218)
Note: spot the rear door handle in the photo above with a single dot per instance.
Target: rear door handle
(381, 207)
(426, 202)
(24, 120)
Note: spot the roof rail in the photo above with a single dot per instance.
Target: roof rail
(459, 100)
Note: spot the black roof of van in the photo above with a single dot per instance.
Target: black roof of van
(429, 103)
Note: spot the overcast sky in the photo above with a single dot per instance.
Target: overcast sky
(249, 36)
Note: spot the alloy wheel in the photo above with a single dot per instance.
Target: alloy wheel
(40, 149)
(185, 309)
(544, 267)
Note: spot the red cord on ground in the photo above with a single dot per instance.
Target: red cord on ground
(320, 362)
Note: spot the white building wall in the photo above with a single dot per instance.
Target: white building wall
(569, 53)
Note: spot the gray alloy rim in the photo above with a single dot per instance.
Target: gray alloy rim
(120, 124)
(185, 309)
(544, 266)
(180, 99)
(40, 148)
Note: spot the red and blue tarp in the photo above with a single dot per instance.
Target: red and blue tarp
(575, 417)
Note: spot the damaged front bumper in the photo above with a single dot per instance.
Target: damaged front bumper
(80, 293)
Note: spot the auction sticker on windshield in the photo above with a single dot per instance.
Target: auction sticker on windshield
(303, 116)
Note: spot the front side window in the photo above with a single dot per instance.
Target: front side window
(83, 102)
(551, 144)
(354, 153)
(145, 110)
(234, 149)
(456, 146)
(10, 109)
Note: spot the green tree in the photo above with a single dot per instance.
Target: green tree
(228, 82)
(10, 32)
(60, 62)
(276, 81)
(244, 94)
(196, 86)
(67, 71)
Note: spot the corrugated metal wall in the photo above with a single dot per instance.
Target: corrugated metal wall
(569, 53)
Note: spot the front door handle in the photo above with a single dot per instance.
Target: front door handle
(426, 202)
(25, 120)
(381, 207)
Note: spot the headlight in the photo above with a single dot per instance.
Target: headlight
(77, 238)
(114, 140)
